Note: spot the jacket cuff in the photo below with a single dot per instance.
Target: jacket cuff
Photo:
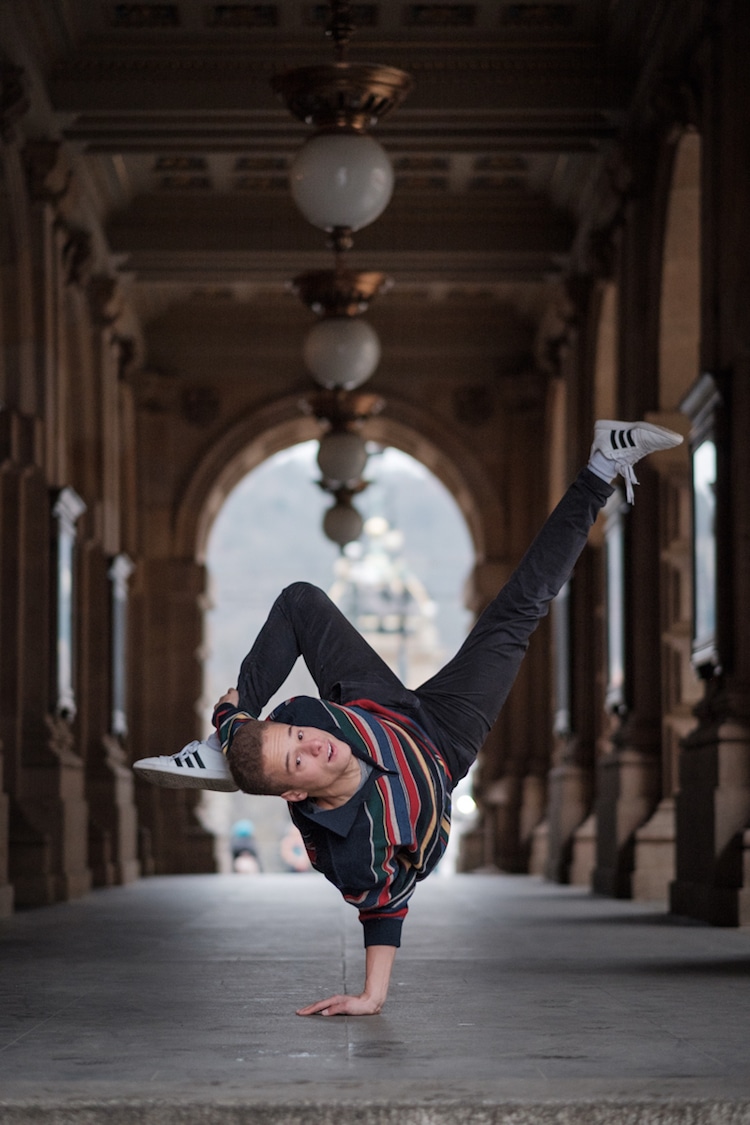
(222, 711)
(382, 931)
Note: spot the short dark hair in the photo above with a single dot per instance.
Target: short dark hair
(245, 759)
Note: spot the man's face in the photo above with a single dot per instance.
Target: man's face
(308, 762)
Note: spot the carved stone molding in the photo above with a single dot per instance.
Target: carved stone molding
(77, 256)
(61, 740)
(578, 66)
(156, 392)
(473, 405)
(14, 101)
(125, 354)
(558, 332)
(200, 406)
(47, 176)
(600, 253)
(105, 299)
(677, 101)
(725, 703)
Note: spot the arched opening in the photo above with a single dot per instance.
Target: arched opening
(401, 584)
(264, 432)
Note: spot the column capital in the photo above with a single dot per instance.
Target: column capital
(47, 172)
(14, 100)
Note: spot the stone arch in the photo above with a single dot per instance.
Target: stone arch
(259, 435)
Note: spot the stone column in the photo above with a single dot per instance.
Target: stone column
(654, 860)
(6, 890)
(628, 776)
(574, 616)
(713, 803)
(478, 845)
(8, 639)
(102, 726)
(629, 771)
(511, 778)
(49, 859)
(166, 668)
(570, 781)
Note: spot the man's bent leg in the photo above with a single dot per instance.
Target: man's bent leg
(304, 622)
(462, 701)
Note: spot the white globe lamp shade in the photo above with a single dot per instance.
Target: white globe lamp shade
(342, 456)
(341, 179)
(341, 352)
(342, 524)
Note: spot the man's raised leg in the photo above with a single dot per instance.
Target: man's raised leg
(462, 701)
(465, 697)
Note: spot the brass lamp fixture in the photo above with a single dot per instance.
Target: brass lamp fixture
(342, 455)
(341, 351)
(342, 179)
(342, 523)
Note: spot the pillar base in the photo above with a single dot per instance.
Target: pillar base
(6, 890)
(470, 851)
(712, 881)
(6, 901)
(719, 906)
(533, 794)
(583, 859)
(113, 828)
(655, 855)
(628, 784)
(569, 801)
(539, 856)
(55, 812)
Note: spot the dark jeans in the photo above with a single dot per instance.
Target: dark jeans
(459, 704)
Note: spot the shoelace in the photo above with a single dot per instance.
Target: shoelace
(628, 475)
(186, 752)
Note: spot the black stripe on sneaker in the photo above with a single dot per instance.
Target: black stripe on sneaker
(631, 439)
(613, 438)
(198, 759)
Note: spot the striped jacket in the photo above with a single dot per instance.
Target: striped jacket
(394, 830)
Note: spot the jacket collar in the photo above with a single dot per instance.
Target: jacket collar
(341, 820)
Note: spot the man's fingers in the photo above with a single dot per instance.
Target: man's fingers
(321, 1006)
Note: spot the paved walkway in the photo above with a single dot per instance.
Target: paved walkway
(512, 1001)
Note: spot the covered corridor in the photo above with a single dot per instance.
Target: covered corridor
(568, 239)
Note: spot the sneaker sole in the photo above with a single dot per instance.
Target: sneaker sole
(187, 781)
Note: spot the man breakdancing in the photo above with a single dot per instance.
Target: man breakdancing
(368, 768)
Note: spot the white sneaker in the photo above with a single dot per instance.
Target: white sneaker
(624, 443)
(199, 765)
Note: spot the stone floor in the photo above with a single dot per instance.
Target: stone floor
(514, 1001)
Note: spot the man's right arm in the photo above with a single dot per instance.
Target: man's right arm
(378, 967)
